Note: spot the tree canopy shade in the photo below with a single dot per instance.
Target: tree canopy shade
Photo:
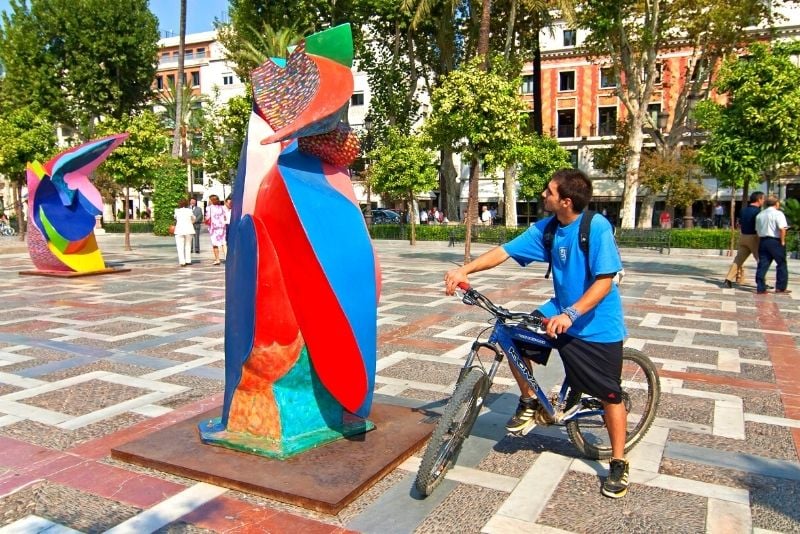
(403, 168)
(168, 189)
(223, 134)
(538, 158)
(78, 60)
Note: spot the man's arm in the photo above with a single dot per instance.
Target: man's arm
(783, 237)
(597, 291)
(485, 261)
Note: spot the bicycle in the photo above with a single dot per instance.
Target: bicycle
(582, 415)
(7, 230)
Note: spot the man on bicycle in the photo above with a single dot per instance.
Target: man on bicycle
(585, 315)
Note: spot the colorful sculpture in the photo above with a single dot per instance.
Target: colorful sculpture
(62, 205)
(302, 280)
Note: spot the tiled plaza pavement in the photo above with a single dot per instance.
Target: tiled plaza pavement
(89, 363)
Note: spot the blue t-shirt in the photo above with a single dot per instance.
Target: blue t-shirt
(605, 323)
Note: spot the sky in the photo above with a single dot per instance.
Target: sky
(200, 14)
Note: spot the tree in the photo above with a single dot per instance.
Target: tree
(169, 187)
(757, 129)
(475, 113)
(137, 161)
(630, 35)
(403, 168)
(25, 136)
(78, 60)
(223, 134)
(179, 130)
(672, 174)
(537, 157)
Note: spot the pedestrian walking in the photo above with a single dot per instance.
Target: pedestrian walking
(197, 211)
(215, 220)
(748, 239)
(771, 227)
(184, 232)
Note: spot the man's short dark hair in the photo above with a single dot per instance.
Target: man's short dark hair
(575, 185)
(755, 196)
(771, 201)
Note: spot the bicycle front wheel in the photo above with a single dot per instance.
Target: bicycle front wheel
(641, 391)
(452, 429)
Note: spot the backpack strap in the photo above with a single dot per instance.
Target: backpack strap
(583, 240)
(548, 238)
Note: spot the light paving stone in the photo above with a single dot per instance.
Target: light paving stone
(729, 418)
(499, 524)
(647, 454)
(32, 523)
(169, 510)
(151, 410)
(468, 475)
(769, 420)
(728, 518)
(530, 497)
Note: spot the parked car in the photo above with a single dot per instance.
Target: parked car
(384, 216)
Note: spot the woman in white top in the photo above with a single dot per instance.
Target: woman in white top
(184, 232)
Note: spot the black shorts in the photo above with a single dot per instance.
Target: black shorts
(591, 367)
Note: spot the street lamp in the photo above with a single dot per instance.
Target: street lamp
(367, 148)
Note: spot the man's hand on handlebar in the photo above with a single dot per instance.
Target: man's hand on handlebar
(452, 279)
(558, 324)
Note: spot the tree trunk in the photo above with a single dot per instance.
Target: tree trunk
(176, 136)
(645, 221)
(483, 36)
(413, 210)
(19, 211)
(510, 195)
(628, 219)
(472, 205)
(127, 218)
(451, 192)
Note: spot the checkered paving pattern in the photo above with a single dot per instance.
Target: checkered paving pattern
(90, 363)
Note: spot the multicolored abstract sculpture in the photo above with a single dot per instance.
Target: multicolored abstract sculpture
(62, 205)
(302, 279)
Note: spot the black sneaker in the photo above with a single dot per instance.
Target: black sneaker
(616, 484)
(524, 419)
(727, 283)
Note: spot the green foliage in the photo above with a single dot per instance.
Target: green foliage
(700, 238)
(137, 227)
(757, 130)
(672, 174)
(136, 162)
(538, 158)
(223, 135)
(25, 136)
(402, 168)
(78, 60)
(169, 188)
(476, 113)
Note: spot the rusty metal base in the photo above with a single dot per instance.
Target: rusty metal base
(325, 479)
(74, 274)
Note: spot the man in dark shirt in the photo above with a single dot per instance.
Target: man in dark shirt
(748, 241)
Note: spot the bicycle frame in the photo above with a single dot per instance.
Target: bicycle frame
(502, 343)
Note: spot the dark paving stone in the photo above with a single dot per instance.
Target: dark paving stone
(679, 323)
(578, 506)
(759, 373)
(66, 506)
(469, 507)
(419, 370)
(754, 401)
(55, 438)
(685, 408)
(685, 354)
(761, 440)
(200, 388)
(85, 397)
(102, 365)
(731, 342)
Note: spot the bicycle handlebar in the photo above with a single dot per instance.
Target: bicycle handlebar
(473, 297)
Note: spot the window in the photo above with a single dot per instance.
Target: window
(200, 53)
(607, 78)
(159, 82)
(573, 158)
(197, 175)
(607, 121)
(196, 78)
(165, 56)
(175, 54)
(701, 65)
(357, 99)
(566, 123)
(653, 110)
(566, 80)
(189, 54)
(527, 84)
(227, 79)
(171, 80)
(570, 37)
(658, 73)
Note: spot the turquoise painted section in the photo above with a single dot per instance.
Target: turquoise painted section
(303, 403)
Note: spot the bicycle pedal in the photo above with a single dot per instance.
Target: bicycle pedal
(524, 431)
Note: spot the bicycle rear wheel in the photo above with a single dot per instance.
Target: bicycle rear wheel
(640, 393)
(452, 429)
